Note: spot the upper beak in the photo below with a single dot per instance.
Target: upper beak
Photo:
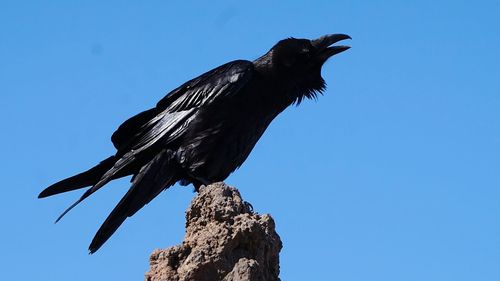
(323, 45)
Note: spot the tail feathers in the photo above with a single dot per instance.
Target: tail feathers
(87, 178)
(112, 170)
(87, 193)
(117, 170)
(154, 177)
(120, 168)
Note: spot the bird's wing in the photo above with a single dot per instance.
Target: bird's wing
(170, 118)
(175, 111)
(223, 81)
(131, 127)
(178, 108)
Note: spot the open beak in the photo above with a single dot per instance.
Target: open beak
(324, 45)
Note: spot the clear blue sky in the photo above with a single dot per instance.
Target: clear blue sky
(392, 175)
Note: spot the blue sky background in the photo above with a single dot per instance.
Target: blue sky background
(392, 175)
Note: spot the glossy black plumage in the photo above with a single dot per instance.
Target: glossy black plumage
(205, 129)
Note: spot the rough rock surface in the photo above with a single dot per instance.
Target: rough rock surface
(224, 240)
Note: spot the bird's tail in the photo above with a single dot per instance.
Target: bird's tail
(155, 176)
(87, 178)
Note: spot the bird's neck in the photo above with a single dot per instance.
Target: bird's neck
(264, 65)
(287, 89)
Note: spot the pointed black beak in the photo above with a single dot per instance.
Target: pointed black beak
(324, 45)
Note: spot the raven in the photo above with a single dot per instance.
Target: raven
(202, 131)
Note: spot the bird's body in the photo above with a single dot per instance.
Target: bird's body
(206, 128)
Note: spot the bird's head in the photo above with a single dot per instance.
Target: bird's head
(300, 61)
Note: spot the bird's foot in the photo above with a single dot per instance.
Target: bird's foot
(248, 206)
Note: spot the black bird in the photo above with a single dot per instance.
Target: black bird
(203, 130)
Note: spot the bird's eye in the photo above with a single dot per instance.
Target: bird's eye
(304, 54)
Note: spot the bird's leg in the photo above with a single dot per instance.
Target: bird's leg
(197, 186)
(198, 182)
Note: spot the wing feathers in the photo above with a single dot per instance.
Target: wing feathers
(153, 178)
